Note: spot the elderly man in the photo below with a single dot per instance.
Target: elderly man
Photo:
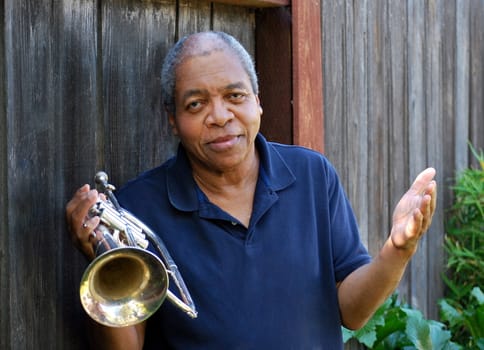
(263, 233)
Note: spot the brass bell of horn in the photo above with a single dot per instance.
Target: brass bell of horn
(126, 283)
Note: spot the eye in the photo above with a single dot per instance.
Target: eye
(194, 106)
(237, 97)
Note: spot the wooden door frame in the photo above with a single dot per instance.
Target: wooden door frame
(308, 123)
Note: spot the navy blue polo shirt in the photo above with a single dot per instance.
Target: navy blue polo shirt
(269, 286)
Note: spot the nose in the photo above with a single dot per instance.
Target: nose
(220, 113)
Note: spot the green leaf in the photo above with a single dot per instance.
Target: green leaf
(418, 330)
(347, 334)
(367, 338)
(395, 321)
(476, 322)
(452, 346)
(478, 294)
(367, 334)
(463, 307)
(449, 313)
(440, 337)
(396, 340)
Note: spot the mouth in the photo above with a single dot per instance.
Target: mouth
(223, 143)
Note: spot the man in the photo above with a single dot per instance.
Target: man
(262, 233)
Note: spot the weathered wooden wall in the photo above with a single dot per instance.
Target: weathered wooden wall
(80, 92)
(403, 90)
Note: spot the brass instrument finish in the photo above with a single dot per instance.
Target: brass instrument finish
(125, 284)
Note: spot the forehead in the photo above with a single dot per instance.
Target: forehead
(209, 68)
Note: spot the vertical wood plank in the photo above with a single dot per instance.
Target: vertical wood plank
(378, 125)
(193, 16)
(462, 71)
(77, 114)
(356, 119)
(398, 122)
(5, 256)
(30, 59)
(476, 93)
(334, 54)
(307, 75)
(356, 59)
(449, 67)
(417, 136)
(135, 41)
(434, 157)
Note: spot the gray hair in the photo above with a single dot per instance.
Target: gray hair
(183, 48)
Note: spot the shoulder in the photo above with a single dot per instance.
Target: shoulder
(301, 159)
(295, 151)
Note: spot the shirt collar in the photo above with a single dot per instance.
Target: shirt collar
(182, 189)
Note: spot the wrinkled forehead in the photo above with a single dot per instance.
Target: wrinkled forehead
(214, 69)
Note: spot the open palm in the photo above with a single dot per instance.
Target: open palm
(413, 214)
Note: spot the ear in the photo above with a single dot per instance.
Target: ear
(258, 102)
(171, 120)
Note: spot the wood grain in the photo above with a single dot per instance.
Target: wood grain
(307, 75)
(256, 3)
(80, 91)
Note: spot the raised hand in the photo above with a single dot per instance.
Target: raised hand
(413, 214)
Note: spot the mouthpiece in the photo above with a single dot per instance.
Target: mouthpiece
(101, 180)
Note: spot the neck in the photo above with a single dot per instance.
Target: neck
(216, 181)
(233, 191)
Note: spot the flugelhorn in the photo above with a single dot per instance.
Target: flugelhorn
(126, 283)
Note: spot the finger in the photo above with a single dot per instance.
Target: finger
(429, 203)
(413, 230)
(89, 230)
(433, 193)
(86, 229)
(90, 224)
(77, 209)
(416, 225)
(87, 237)
(427, 212)
(422, 180)
(76, 198)
(410, 231)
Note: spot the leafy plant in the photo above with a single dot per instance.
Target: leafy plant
(397, 326)
(463, 306)
(466, 323)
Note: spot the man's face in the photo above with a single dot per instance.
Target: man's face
(217, 113)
